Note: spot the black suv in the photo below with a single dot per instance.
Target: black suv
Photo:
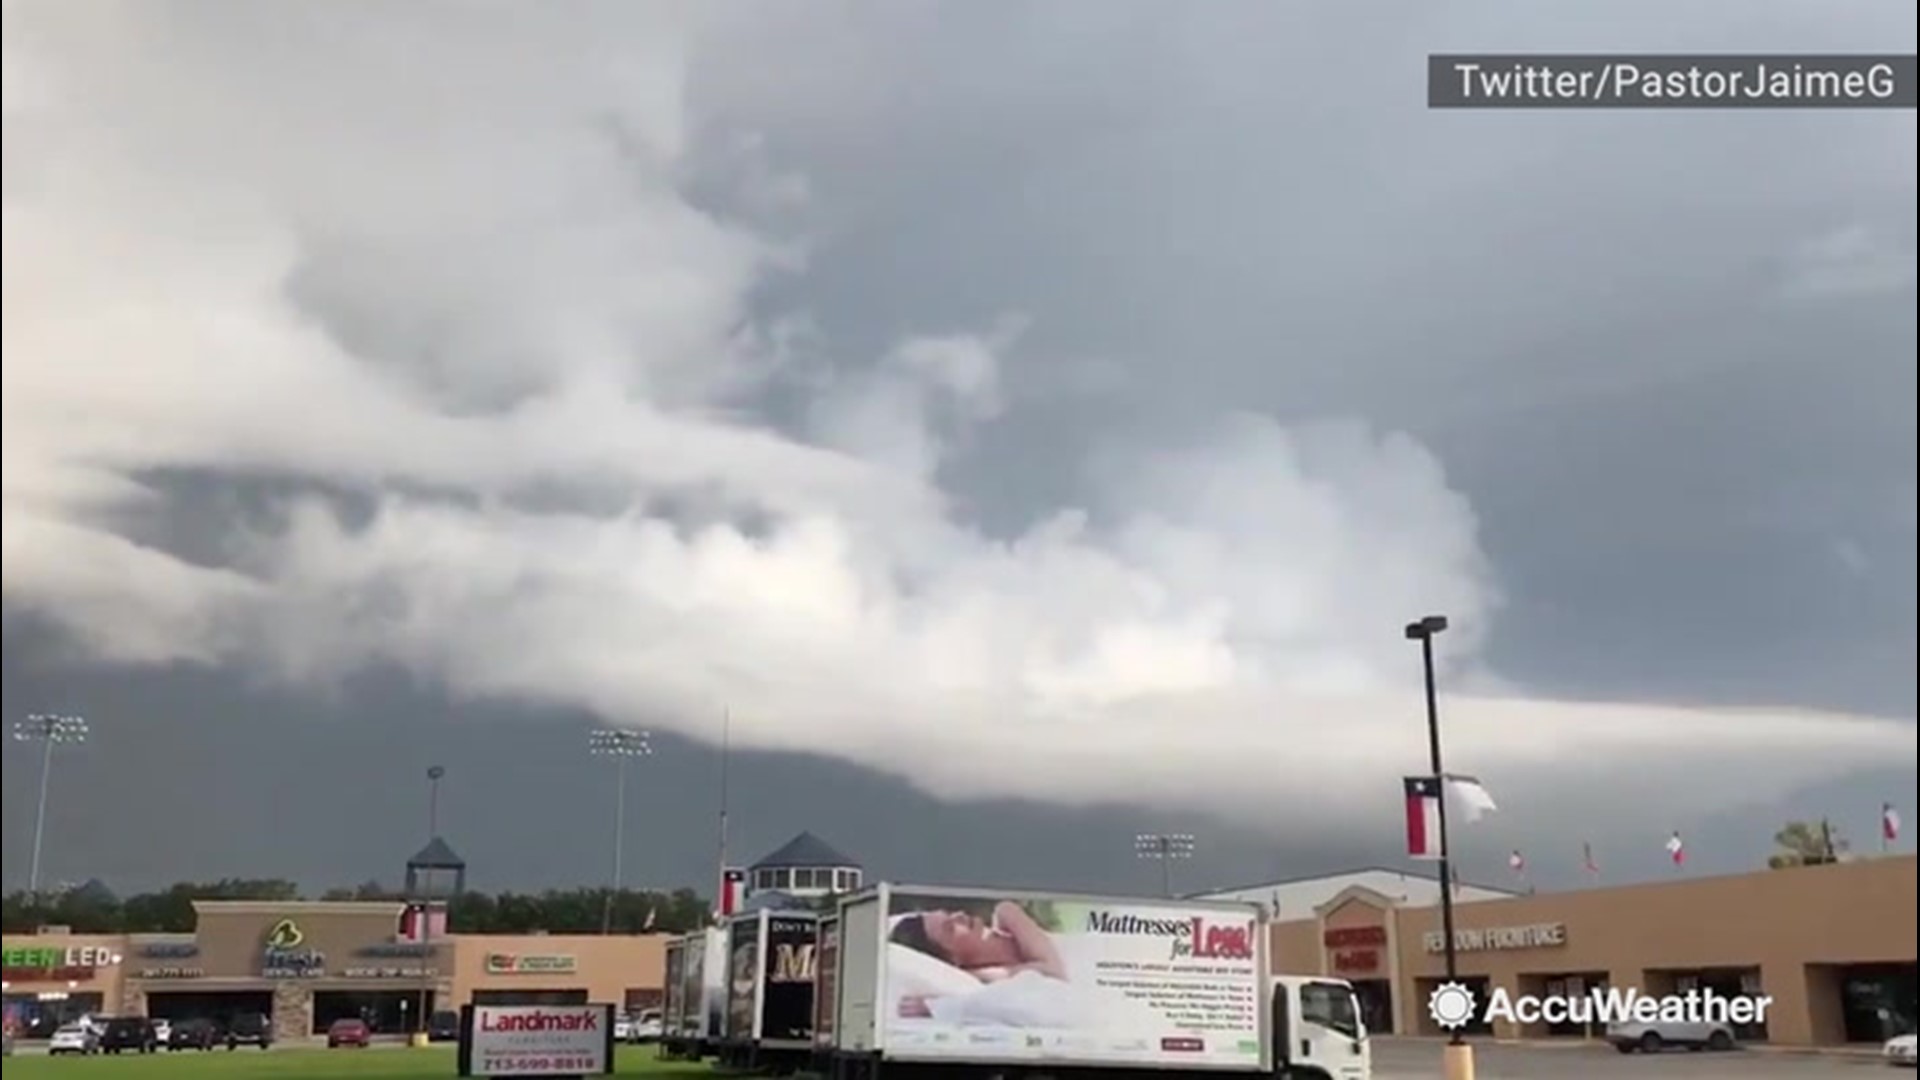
(198, 1033)
(444, 1026)
(135, 1033)
(249, 1029)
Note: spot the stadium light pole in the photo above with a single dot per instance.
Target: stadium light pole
(435, 773)
(49, 730)
(1424, 631)
(1165, 847)
(622, 745)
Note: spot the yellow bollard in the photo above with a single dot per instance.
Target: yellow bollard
(1457, 1062)
(419, 1039)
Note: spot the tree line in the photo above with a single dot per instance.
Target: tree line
(93, 909)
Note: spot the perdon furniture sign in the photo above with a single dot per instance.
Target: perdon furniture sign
(536, 1040)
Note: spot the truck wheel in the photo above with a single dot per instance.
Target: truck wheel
(1651, 1043)
(1719, 1040)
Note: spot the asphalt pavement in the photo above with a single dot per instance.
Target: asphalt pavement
(1419, 1059)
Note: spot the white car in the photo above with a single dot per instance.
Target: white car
(646, 1027)
(1900, 1050)
(1651, 1038)
(623, 1029)
(74, 1039)
(162, 1031)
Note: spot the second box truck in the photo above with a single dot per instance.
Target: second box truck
(694, 1008)
(951, 983)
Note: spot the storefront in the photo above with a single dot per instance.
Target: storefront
(48, 981)
(1832, 946)
(304, 965)
(560, 970)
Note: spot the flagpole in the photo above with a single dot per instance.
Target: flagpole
(1458, 1059)
(726, 751)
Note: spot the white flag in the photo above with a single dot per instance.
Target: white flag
(1472, 796)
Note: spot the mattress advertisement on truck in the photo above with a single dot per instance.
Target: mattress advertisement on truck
(743, 978)
(787, 1008)
(1020, 978)
(673, 1008)
(826, 977)
(703, 984)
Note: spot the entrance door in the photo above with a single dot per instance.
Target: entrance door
(1376, 1005)
(1570, 987)
(1728, 984)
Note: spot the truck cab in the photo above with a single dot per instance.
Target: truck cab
(1317, 1030)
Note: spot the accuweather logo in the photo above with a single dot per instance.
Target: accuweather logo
(1454, 1006)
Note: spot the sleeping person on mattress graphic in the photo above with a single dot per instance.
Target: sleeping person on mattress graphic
(954, 967)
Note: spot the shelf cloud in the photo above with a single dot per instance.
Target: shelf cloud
(449, 293)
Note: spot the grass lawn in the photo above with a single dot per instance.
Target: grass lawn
(379, 1063)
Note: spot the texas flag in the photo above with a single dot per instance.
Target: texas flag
(1676, 850)
(1889, 822)
(733, 890)
(1517, 862)
(1423, 817)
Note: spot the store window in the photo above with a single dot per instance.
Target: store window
(1877, 1001)
(1728, 983)
(38, 1016)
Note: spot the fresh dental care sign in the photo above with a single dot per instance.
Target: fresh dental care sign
(1538, 936)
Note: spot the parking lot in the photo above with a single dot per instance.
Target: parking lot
(1419, 1059)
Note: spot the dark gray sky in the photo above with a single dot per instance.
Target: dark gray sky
(1046, 419)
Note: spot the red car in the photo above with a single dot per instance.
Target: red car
(348, 1033)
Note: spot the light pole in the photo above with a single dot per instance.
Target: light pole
(435, 773)
(1458, 1059)
(50, 730)
(1165, 847)
(622, 745)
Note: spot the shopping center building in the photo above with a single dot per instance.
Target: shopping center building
(309, 963)
(1833, 946)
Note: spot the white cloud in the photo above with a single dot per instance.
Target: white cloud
(1855, 260)
(412, 256)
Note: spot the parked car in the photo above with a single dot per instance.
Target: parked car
(197, 1033)
(1901, 1050)
(1652, 1038)
(74, 1039)
(249, 1029)
(443, 1026)
(348, 1032)
(646, 1027)
(129, 1033)
(163, 1030)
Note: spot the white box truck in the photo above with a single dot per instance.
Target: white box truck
(770, 973)
(695, 1002)
(948, 983)
(826, 971)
